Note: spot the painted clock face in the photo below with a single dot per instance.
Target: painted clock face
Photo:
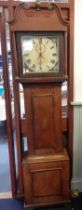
(40, 54)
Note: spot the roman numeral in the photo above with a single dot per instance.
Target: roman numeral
(54, 54)
(26, 54)
(55, 41)
(52, 47)
(56, 65)
(52, 61)
(29, 61)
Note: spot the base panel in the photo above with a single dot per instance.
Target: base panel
(46, 180)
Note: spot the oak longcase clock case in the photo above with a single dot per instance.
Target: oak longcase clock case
(40, 43)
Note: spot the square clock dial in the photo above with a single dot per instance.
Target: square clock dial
(40, 54)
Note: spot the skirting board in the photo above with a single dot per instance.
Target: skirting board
(5, 195)
(76, 184)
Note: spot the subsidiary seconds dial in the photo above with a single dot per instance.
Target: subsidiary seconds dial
(40, 54)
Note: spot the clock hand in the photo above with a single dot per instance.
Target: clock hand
(41, 55)
(39, 52)
(56, 64)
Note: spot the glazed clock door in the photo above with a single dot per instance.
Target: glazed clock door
(41, 54)
(44, 56)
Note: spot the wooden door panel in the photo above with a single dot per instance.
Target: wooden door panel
(46, 181)
(49, 182)
(44, 119)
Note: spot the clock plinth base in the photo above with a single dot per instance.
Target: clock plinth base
(65, 203)
(46, 180)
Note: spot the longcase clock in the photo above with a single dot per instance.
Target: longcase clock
(40, 35)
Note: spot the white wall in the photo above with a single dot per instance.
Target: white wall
(78, 52)
(77, 143)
